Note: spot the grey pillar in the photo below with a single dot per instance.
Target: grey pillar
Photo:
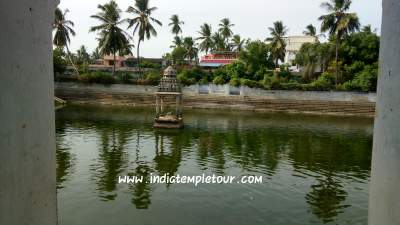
(384, 201)
(27, 140)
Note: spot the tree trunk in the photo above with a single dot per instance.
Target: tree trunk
(138, 56)
(70, 60)
(336, 59)
(113, 73)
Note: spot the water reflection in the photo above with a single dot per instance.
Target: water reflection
(319, 157)
(111, 161)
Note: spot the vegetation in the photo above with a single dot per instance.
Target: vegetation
(277, 42)
(347, 60)
(63, 30)
(112, 38)
(142, 22)
(176, 25)
(338, 23)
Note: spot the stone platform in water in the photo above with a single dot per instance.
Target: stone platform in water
(168, 122)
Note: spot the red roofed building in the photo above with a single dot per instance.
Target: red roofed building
(218, 59)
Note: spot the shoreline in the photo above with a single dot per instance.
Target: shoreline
(293, 102)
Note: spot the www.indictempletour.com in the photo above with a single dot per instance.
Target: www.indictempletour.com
(196, 180)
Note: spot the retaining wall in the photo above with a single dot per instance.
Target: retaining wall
(226, 97)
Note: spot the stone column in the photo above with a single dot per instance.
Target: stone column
(27, 127)
(384, 200)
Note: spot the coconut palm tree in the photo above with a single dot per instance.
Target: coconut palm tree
(142, 22)
(176, 25)
(177, 42)
(310, 31)
(205, 37)
(338, 23)
(190, 47)
(82, 55)
(225, 28)
(112, 39)
(63, 30)
(237, 43)
(277, 42)
(218, 42)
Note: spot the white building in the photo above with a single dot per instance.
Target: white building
(293, 45)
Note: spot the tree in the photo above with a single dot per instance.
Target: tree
(178, 42)
(176, 25)
(178, 55)
(277, 42)
(142, 22)
(190, 47)
(237, 43)
(59, 62)
(82, 55)
(225, 29)
(256, 56)
(310, 31)
(95, 54)
(206, 39)
(63, 30)
(112, 39)
(218, 42)
(338, 23)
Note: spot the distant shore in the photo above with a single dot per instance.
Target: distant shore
(225, 97)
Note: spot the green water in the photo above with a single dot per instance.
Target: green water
(315, 169)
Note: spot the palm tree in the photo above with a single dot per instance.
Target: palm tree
(63, 30)
(218, 42)
(142, 21)
(178, 42)
(310, 31)
(225, 29)
(96, 54)
(112, 39)
(176, 25)
(82, 55)
(277, 42)
(237, 43)
(338, 23)
(205, 37)
(190, 47)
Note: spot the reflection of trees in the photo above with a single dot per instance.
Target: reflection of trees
(325, 199)
(211, 149)
(64, 159)
(331, 153)
(167, 162)
(112, 160)
(142, 191)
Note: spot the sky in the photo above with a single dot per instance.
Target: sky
(251, 18)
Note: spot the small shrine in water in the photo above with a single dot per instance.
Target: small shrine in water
(169, 101)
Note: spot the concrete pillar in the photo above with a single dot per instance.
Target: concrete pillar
(384, 201)
(27, 127)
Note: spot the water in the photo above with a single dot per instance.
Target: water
(315, 170)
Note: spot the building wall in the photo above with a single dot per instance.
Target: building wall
(293, 45)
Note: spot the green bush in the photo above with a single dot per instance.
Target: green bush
(219, 80)
(222, 73)
(97, 77)
(203, 80)
(325, 82)
(250, 83)
(365, 80)
(185, 79)
(153, 77)
(234, 82)
(125, 77)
